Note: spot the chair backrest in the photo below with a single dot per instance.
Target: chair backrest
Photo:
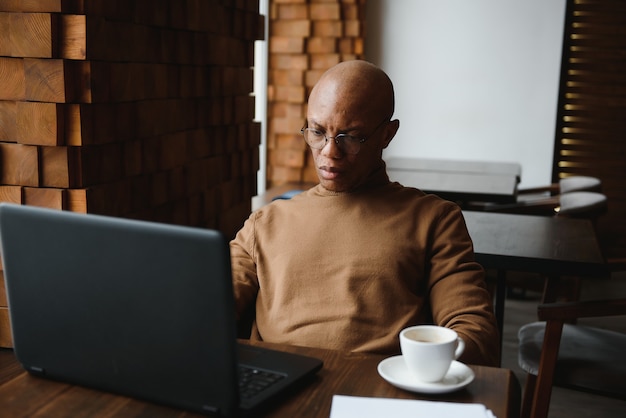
(580, 184)
(567, 185)
(548, 351)
(582, 204)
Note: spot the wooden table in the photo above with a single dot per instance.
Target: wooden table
(457, 166)
(458, 180)
(343, 373)
(536, 244)
(552, 246)
(460, 187)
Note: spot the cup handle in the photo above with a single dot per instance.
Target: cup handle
(460, 347)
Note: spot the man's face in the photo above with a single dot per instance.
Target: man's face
(332, 114)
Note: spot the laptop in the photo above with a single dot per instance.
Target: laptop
(136, 308)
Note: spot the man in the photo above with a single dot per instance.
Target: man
(351, 262)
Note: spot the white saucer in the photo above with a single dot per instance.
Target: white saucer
(394, 371)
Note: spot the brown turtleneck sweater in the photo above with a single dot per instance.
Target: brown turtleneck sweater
(348, 271)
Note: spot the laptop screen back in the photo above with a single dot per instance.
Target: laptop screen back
(138, 308)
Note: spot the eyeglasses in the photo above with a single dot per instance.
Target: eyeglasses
(347, 143)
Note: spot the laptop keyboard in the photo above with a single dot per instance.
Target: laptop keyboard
(252, 381)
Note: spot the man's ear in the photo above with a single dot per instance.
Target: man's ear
(390, 132)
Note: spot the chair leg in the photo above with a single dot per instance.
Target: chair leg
(550, 289)
(528, 395)
(547, 365)
(561, 288)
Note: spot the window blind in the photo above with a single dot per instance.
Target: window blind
(591, 118)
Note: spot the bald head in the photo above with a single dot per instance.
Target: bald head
(355, 99)
(357, 83)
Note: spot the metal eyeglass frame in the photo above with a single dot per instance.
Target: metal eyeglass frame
(340, 139)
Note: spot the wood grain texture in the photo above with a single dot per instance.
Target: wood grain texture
(40, 123)
(60, 167)
(8, 120)
(23, 386)
(77, 200)
(57, 81)
(3, 293)
(6, 338)
(6, 46)
(32, 35)
(43, 35)
(343, 373)
(78, 124)
(72, 37)
(13, 86)
(19, 165)
(44, 197)
(11, 194)
(9, 366)
(31, 5)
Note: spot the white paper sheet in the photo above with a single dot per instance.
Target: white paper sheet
(364, 407)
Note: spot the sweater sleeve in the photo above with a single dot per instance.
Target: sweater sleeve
(244, 271)
(458, 294)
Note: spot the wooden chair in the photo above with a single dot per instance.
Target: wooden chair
(566, 185)
(578, 196)
(582, 204)
(553, 352)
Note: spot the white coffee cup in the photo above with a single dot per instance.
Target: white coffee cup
(429, 350)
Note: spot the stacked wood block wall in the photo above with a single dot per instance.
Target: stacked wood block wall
(306, 37)
(139, 109)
